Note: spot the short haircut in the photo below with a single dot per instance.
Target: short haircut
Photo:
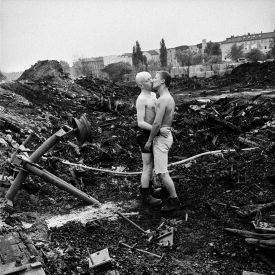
(140, 77)
(166, 76)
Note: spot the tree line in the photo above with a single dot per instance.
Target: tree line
(117, 70)
(185, 56)
(140, 60)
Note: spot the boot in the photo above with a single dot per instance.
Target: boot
(171, 204)
(160, 193)
(148, 198)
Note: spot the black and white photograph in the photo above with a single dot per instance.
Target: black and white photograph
(137, 137)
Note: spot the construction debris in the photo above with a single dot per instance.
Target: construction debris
(224, 184)
(253, 209)
(99, 258)
(133, 247)
(166, 237)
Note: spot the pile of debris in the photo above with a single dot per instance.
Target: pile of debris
(46, 70)
(256, 75)
(2, 77)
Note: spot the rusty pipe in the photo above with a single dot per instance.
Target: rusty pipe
(22, 175)
(51, 178)
(47, 145)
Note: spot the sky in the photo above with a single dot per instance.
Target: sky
(32, 30)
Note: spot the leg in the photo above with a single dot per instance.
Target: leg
(161, 148)
(145, 191)
(172, 202)
(147, 160)
(147, 171)
(168, 184)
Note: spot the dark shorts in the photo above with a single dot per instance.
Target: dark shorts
(142, 137)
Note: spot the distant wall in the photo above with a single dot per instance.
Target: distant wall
(204, 70)
(12, 76)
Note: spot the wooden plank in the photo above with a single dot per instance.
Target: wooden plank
(251, 273)
(37, 271)
(10, 268)
(99, 258)
(34, 269)
(167, 240)
(25, 269)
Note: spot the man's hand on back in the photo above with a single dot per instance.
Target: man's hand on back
(164, 131)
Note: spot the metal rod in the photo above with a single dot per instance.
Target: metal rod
(22, 175)
(18, 149)
(149, 253)
(90, 257)
(46, 146)
(164, 235)
(44, 174)
(131, 222)
(126, 245)
(140, 250)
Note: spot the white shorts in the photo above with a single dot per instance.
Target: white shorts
(161, 146)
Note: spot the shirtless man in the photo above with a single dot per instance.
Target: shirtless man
(145, 105)
(165, 109)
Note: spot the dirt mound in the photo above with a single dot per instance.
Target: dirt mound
(256, 75)
(108, 88)
(46, 70)
(2, 77)
(258, 71)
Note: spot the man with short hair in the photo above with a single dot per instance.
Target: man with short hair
(165, 108)
(146, 105)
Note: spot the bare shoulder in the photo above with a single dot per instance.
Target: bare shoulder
(165, 99)
(140, 99)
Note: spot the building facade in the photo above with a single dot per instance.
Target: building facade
(152, 56)
(95, 65)
(261, 41)
(86, 66)
(171, 58)
(126, 58)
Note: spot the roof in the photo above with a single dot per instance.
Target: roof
(152, 52)
(183, 47)
(92, 59)
(127, 54)
(249, 37)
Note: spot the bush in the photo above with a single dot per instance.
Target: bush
(116, 71)
(255, 55)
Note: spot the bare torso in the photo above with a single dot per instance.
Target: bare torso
(149, 102)
(169, 110)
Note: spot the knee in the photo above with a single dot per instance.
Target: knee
(148, 167)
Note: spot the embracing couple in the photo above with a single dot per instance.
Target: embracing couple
(154, 117)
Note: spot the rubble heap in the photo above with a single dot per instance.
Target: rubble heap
(213, 189)
(46, 70)
(256, 75)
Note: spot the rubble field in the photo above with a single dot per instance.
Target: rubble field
(222, 162)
